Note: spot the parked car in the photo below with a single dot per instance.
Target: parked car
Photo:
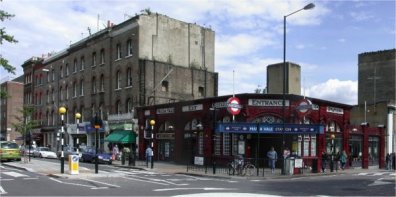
(88, 155)
(9, 151)
(27, 150)
(68, 150)
(44, 152)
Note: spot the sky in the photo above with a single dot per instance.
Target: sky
(325, 41)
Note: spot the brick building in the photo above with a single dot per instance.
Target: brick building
(148, 59)
(10, 107)
(190, 129)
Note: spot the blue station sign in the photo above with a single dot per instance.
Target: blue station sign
(269, 128)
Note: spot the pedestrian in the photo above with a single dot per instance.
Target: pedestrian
(272, 157)
(149, 155)
(343, 159)
(324, 161)
(388, 161)
(115, 152)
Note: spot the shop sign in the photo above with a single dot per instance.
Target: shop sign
(298, 163)
(269, 128)
(335, 110)
(189, 108)
(147, 112)
(120, 117)
(165, 136)
(219, 105)
(169, 110)
(127, 126)
(267, 102)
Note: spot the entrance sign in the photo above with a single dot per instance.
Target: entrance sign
(234, 106)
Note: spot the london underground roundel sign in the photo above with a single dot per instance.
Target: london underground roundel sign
(304, 107)
(233, 106)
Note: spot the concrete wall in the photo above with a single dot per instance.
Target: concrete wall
(275, 78)
(377, 77)
(169, 40)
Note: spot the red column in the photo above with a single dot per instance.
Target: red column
(365, 159)
(345, 140)
(321, 145)
(381, 147)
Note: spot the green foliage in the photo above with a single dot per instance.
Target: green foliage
(24, 122)
(9, 38)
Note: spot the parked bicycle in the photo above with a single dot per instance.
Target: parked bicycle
(241, 167)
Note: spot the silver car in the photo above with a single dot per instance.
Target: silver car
(44, 152)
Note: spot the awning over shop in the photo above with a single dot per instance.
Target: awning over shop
(122, 136)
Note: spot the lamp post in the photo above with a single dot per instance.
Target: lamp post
(152, 123)
(307, 7)
(77, 116)
(214, 139)
(62, 111)
(332, 136)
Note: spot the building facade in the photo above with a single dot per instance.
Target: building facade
(10, 107)
(148, 59)
(377, 93)
(190, 129)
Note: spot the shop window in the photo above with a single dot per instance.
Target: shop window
(332, 126)
(226, 144)
(217, 144)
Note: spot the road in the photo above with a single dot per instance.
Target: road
(132, 182)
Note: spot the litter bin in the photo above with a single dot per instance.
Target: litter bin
(289, 168)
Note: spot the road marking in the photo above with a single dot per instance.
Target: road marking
(379, 182)
(99, 182)
(89, 186)
(30, 178)
(100, 188)
(129, 178)
(7, 179)
(204, 188)
(14, 174)
(393, 174)
(2, 191)
(363, 174)
(378, 174)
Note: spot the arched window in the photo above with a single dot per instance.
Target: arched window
(102, 83)
(129, 48)
(74, 89)
(61, 93)
(118, 80)
(75, 65)
(82, 87)
(118, 107)
(82, 66)
(129, 106)
(129, 77)
(102, 56)
(119, 55)
(93, 59)
(93, 85)
(67, 92)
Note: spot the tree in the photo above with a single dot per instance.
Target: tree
(8, 38)
(24, 123)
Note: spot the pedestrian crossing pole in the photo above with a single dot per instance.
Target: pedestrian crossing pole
(62, 111)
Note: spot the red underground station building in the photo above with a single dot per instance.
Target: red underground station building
(219, 128)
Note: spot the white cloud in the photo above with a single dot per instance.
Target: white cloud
(335, 90)
(342, 40)
(361, 16)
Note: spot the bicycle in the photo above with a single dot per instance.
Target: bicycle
(241, 168)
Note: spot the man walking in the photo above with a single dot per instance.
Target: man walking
(149, 155)
(272, 157)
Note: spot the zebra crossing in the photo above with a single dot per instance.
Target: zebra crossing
(8, 174)
(376, 174)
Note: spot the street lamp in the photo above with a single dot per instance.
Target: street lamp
(307, 7)
(152, 123)
(62, 111)
(77, 116)
(332, 136)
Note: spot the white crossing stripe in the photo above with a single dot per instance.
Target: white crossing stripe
(393, 174)
(363, 173)
(2, 191)
(379, 173)
(15, 174)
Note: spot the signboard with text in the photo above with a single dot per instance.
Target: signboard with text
(269, 128)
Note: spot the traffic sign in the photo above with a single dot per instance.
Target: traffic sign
(234, 106)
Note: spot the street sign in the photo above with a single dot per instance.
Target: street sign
(234, 106)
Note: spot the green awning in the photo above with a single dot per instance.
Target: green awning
(122, 136)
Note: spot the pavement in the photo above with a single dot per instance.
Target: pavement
(53, 169)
